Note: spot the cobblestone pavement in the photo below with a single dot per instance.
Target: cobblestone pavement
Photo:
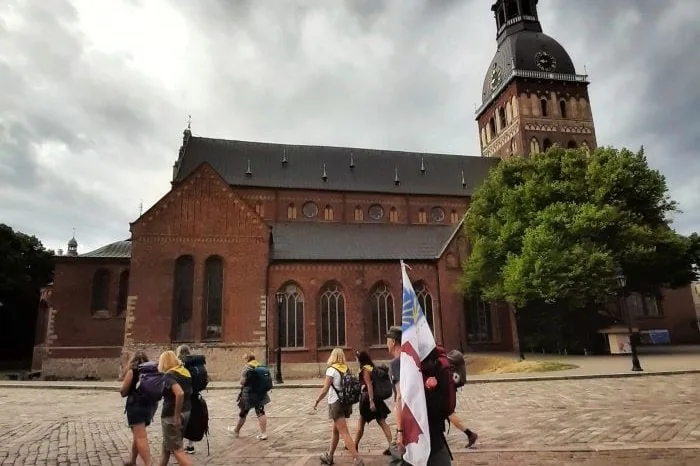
(641, 420)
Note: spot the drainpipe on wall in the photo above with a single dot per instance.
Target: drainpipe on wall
(267, 295)
(439, 294)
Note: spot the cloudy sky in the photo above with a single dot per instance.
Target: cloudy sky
(94, 95)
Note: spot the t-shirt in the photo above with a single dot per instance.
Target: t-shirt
(395, 370)
(337, 380)
(171, 378)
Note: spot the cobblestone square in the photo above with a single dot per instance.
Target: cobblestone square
(617, 421)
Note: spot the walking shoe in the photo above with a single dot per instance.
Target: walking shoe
(472, 436)
(386, 452)
(189, 450)
(261, 436)
(232, 431)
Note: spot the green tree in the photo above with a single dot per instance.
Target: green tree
(553, 229)
(25, 267)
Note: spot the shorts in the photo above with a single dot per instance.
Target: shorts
(139, 414)
(337, 411)
(259, 411)
(172, 436)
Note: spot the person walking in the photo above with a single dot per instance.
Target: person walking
(337, 412)
(195, 364)
(177, 390)
(139, 411)
(255, 385)
(371, 409)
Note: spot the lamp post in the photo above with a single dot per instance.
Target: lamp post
(280, 303)
(622, 282)
(518, 333)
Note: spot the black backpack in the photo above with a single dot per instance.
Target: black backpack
(381, 383)
(198, 425)
(197, 365)
(350, 388)
(260, 381)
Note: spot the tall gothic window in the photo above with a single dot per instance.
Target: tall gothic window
(328, 213)
(332, 305)
(393, 215)
(183, 293)
(381, 304)
(425, 299)
(511, 9)
(562, 108)
(534, 146)
(543, 107)
(359, 213)
(100, 291)
(213, 297)
(502, 117)
(291, 211)
(479, 321)
(422, 216)
(492, 127)
(454, 216)
(122, 292)
(292, 318)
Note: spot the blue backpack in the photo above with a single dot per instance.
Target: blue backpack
(261, 380)
(150, 384)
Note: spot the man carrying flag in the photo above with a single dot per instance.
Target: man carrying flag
(417, 342)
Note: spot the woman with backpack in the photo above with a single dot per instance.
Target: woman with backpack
(371, 408)
(337, 412)
(139, 410)
(177, 389)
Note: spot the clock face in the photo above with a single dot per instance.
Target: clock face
(437, 214)
(495, 77)
(310, 209)
(376, 212)
(545, 61)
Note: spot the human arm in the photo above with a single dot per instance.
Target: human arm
(324, 391)
(370, 389)
(244, 376)
(179, 400)
(397, 411)
(126, 383)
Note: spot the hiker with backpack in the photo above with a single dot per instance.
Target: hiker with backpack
(177, 390)
(376, 387)
(256, 382)
(459, 372)
(341, 391)
(197, 367)
(139, 410)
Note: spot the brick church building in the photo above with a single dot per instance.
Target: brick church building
(259, 238)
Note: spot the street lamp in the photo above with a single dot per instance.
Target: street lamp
(622, 282)
(280, 302)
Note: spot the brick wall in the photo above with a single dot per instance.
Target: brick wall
(678, 317)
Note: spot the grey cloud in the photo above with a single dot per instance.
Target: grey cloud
(399, 74)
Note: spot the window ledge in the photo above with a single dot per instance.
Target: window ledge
(294, 349)
(101, 314)
(331, 348)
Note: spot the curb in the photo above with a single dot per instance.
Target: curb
(544, 378)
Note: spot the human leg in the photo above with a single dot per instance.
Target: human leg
(140, 446)
(471, 436)
(360, 432)
(241, 420)
(387, 433)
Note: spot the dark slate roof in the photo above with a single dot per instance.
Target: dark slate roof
(342, 241)
(346, 169)
(117, 250)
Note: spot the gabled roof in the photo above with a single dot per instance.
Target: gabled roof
(367, 242)
(261, 164)
(117, 250)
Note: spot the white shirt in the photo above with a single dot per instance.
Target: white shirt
(332, 395)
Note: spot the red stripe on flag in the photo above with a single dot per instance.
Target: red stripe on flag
(411, 352)
(409, 426)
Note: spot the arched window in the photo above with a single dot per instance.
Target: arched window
(183, 294)
(422, 216)
(292, 318)
(509, 112)
(572, 145)
(562, 108)
(513, 146)
(502, 117)
(393, 215)
(359, 213)
(381, 304)
(100, 291)
(546, 144)
(454, 217)
(332, 305)
(213, 297)
(543, 106)
(534, 146)
(479, 321)
(527, 8)
(492, 126)
(291, 211)
(511, 9)
(122, 292)
(328, 213)
(425, 299)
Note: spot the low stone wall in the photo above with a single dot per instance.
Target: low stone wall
(81, 368)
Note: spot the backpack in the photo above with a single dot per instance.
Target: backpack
(350, 388)
(261, 380)
(150, 384)
(381, 383)
(441, 401)
(197, 365)
(459, 367)
(198, 424)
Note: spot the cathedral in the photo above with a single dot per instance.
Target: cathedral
(259, 246)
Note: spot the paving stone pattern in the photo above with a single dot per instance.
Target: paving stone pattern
(641, 420)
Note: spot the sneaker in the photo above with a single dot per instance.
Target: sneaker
(189, 450)
(232, 431)
(386, 452)
(472, 436)
(261, 436)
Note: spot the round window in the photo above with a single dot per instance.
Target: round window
(437, 214)
(310, 209)
(376, 212)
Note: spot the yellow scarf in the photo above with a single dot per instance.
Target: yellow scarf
(182, 371)
(343, 368)
(253, 363)
(368, 368)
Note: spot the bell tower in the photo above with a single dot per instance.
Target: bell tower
(532, 96)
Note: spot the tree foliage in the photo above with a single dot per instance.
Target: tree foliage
(555, 227)
(25, 267)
